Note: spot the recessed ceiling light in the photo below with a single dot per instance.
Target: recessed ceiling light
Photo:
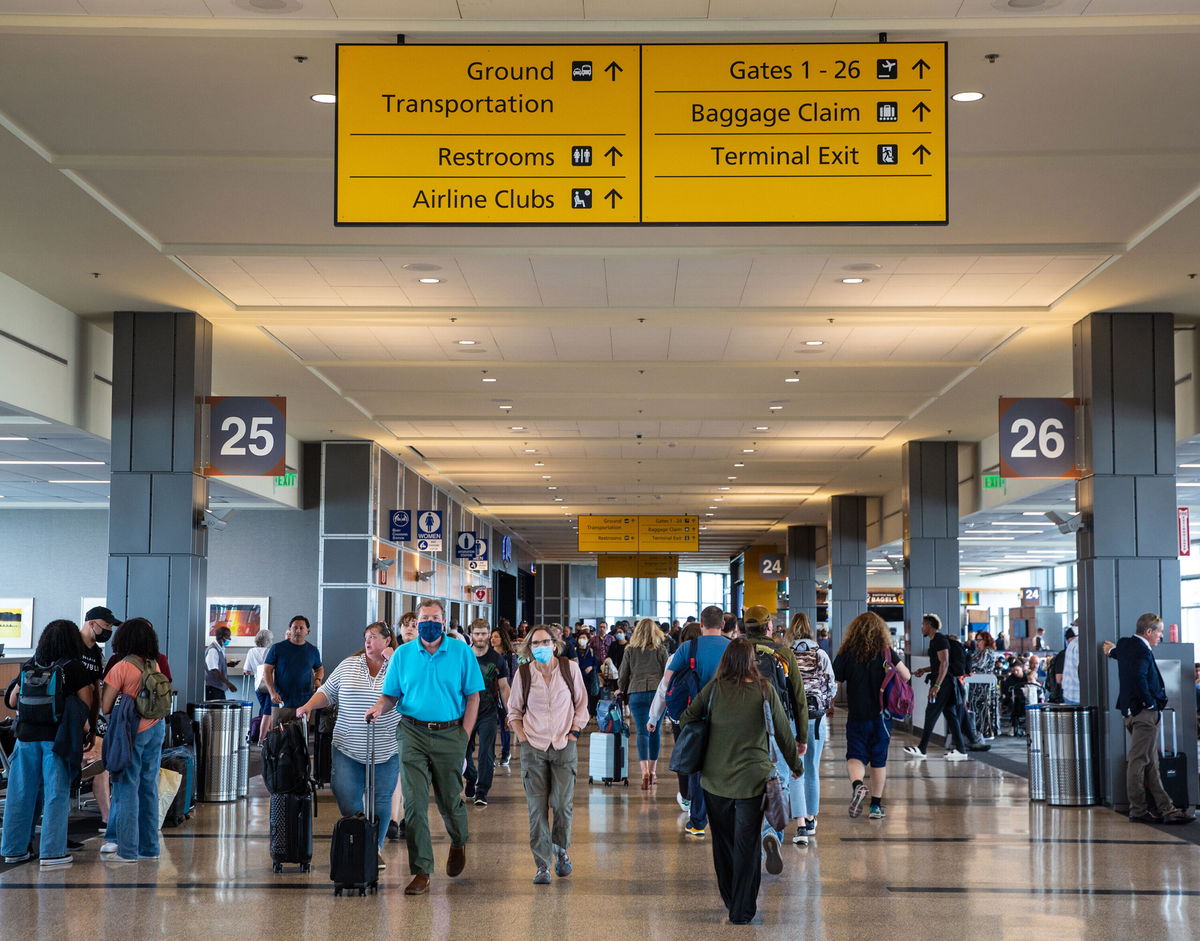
(968, 96)
(467, 342)
(531, 450)
(551, 488)
(26, 439)
(731, 478)
(430, 280)
(717, 498)
(710, 514)
(540, 464)
(54, 463)
(774, 408)
(814, 342)
(792, 379)
(558, 499)
(23, 438)
(324, 99)
(488, 379)
(761, 428)
(544, 476)
(77, 481)
(506, 407)
(853, 280)
(724, 488)
(747, 450)
(739, 464)
(516, 427)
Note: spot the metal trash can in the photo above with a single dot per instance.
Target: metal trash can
(1035, 739)
(217, 760)
(1069, 734)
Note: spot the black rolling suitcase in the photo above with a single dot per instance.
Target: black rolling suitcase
(354, 847)
(286, 774)
(1172, 765)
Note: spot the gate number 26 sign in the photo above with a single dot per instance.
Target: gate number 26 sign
(1037, 438)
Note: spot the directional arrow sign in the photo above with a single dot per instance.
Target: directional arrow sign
(612, 154)
(612, 69)
(921, 110)
(612, 196)
(921, 153)
(921, 67)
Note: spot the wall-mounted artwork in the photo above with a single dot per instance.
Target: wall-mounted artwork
(16, 623)
(244, 617)
(86, 604)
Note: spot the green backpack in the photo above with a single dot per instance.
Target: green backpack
(153, 700)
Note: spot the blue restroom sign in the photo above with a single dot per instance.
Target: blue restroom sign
(400, 526)
(429, 530)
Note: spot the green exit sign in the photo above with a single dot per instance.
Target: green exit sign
(287, 480)
(992, 482)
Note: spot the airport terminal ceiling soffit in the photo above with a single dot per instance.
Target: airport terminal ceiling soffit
(182, 158)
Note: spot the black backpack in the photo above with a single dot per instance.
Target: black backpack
(42, 697)
(772, 665)
(285, 760)
(960, 660)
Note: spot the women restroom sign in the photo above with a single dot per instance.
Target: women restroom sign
(1037, 438)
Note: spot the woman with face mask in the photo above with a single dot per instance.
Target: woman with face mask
(589, 666)
(547, 710)
(353, 687)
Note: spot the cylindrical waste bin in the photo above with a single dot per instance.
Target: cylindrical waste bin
(1068, 736)
(1035, 738)
(243, 776)
(217, 766)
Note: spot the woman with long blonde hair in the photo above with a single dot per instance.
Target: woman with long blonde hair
(861, 663)
(642, 667)
(816, 670)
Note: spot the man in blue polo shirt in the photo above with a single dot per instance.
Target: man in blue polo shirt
(435, 686)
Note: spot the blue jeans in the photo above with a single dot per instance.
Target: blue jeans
(264, 703)
(791, 789)
(806, 793)
(36, 772)
(697, 811)
(349, 783)
(647, 742)
(133, 817)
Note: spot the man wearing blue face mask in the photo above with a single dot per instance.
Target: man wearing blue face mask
(216, 676)
(435, 686)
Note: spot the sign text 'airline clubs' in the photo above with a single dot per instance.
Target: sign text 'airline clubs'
(813, 133)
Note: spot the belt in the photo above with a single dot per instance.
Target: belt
(432, 726)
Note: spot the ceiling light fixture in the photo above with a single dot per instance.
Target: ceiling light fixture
(77, 481)
(545, 476)
(540, 464)
(739, 464)
(324, 99)
(506, 407)
(488, 379)
(968, 96)
(551, 488)
(516, 427)
(467, 342)
(531, 450)
(747, 450)
(558, 499)
(774, 408)
(814, 342)
(430, 280)
(731, 478)
(23, 438)
(761, 428)
(724, 488)
(795, 377)
(853, 280)
(54, 463)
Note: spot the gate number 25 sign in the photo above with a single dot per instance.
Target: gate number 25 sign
(246, 436)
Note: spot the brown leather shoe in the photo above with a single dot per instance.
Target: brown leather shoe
(457, 861)
(418, 886)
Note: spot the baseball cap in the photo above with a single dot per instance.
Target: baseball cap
(756, 616)
(102, 614)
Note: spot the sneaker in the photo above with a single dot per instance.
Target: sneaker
(773, 860)
(877, 812)
(542, 877)
(810, 825)
(480, 800)
(857, 799)
(57, 862)
(913, 752)
(155, 856)
(116, 858)
(954, 755)
(103, 827)
(801, 837)
(683, 802)
(562, 863)
(108, 848)
(393, 832)
(469, 789)
(694, 831)
(24, 857)
(381, 865)
(504, 762)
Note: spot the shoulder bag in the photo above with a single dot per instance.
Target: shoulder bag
(775, 809)
(687, 757)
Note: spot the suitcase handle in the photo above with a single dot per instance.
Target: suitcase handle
(1162, 738)
(369, 791)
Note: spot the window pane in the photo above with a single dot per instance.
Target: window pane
(687, 587)
(618, 598)
(712, 589)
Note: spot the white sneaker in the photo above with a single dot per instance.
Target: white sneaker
(810, 825)
(953, 755)
(913, 752)
(800, 839)
(108, 848)
(683, 804)
(58, 862)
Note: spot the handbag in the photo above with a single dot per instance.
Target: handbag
(691, 742)
(775, 809)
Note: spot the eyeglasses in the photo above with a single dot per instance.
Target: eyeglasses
(541, 643)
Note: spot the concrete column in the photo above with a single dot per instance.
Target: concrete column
(847, 563)
(802, 571)
(930, 480)
(348, 600)
(1127, 549)
(158, 551)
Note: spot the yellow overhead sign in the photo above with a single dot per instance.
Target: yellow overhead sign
(815, 133)
(636, 565)
(487, 134)
(639, 534)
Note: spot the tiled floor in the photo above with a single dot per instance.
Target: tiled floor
(962, 853)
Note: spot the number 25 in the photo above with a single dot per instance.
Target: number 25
(261, 440)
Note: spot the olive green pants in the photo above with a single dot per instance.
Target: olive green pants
(431, 758)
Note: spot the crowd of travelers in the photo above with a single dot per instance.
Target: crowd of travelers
(422, 708)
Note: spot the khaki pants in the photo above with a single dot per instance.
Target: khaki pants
(431, 759)
(1141, 764)
(549, 779)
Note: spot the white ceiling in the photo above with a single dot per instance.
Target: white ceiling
(172, 147)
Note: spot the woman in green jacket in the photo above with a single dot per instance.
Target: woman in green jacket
(737, 764)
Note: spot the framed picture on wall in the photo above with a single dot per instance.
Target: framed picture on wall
(244, 617)
(16, 623)
(86, 604)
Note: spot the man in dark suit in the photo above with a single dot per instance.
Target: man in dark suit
(1141, 700)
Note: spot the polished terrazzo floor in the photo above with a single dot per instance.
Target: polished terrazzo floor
(962, 853)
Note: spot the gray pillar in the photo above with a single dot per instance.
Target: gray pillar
(930, 480)
(158, 552)
(348, 600)
(1125, 377)
(802, 571)
(847, 563)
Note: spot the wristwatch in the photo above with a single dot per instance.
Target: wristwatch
(576, 733)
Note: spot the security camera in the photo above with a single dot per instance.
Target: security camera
(382, 565)
(215, 520)
(896, 562)
(1066, 525)
(423, 576)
